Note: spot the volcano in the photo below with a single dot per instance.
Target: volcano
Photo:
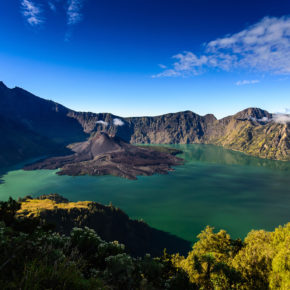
(102, 154)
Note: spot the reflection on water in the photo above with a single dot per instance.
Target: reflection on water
(219, 155)
(215, 186)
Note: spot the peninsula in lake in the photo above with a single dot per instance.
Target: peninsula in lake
(106, 155)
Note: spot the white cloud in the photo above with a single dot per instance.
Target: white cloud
(118, 122)
(264, 119)
(262, 47)
(102, 122)
(31, 12)
(247, 82)
(74, 14)
(281, 118)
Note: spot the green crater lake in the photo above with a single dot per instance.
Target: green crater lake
(218, 187)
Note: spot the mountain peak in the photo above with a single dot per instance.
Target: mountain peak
(2, 85)
(255, 113)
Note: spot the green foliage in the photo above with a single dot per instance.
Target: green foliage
(209, 263)
(42, 259)
(8, 210)
(218, 262)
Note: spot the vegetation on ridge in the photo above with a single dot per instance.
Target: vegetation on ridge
(109, 222)
(34, 257)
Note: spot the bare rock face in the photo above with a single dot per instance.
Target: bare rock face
(103, 155)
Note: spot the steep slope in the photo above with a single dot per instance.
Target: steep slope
(110, 223)
(46, 118)
(32, 127)
(182, 127)
(18, 143)
(253, 131)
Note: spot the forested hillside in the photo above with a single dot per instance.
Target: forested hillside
(33, 256)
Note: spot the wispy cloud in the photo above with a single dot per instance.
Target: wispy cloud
(104, 123)
(247, 82)
(262, 47)
(162, 66)
(32, 12)
(51, 5)
(74, 15)
(281, 118)
(118, 122)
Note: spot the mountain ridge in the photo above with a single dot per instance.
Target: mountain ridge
(252, 131)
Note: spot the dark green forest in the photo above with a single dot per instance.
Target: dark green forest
(36, 256)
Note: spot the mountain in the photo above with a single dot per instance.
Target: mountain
(182, 127)
(32, 127)
(44, 117)
(18, 143)
(253, 131)
(103, 155)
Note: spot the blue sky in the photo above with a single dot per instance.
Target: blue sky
(149, 57)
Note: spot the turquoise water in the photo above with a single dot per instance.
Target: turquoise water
(216, 187)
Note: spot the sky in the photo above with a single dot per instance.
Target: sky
(149, 57)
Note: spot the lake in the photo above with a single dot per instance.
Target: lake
(215, 186)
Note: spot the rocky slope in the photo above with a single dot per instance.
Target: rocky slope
(253, 131)
(105, 155)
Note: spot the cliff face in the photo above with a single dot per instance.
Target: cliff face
(252, 131)
(175, 128)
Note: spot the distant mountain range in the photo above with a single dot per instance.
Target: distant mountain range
(31, 127)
